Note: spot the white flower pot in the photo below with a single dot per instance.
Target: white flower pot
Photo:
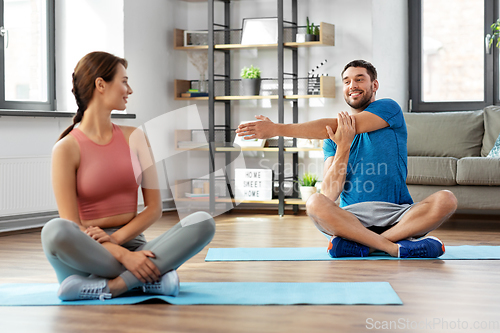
(306, 192)
(300, 38)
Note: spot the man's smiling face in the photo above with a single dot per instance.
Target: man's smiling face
(359, 89)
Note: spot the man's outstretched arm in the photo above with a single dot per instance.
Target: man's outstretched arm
(265, 129)
(315, 129)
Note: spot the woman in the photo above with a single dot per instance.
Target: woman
(96, 246)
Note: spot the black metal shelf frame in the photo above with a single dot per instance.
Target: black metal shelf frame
(281, 96)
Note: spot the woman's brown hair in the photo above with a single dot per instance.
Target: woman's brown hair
(88, 69)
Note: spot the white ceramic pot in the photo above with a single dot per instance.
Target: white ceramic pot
(300, 38)
(306, 192)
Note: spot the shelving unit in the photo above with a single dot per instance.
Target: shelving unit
(327, 90)
(326, 38)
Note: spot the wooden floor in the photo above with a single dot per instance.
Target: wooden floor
(435, 293)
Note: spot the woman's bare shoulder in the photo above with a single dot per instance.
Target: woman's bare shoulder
(135, 132)
(127, 130)
(67, 148)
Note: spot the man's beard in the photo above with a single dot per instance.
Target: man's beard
(360, 103)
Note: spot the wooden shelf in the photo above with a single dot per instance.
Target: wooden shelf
(327, 89)
(228, 200)
(297, 149)
(186, 136)
(326, 38)
(268, 149)
(265, 149)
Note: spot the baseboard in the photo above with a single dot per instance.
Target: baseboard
(23, 222)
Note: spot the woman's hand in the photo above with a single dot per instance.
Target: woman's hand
(99, 235)
(346, 130)
(138, 263)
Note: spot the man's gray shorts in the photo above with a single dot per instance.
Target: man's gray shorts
(378, 216)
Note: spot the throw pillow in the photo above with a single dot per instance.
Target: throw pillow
(495, 151)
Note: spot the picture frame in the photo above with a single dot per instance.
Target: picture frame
(257, 31)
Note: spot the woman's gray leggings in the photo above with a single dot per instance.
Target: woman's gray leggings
(70, 251)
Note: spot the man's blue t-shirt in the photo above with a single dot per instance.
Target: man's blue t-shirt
(377, 166)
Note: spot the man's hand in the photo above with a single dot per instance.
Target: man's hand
(346, 130)
(263, 129)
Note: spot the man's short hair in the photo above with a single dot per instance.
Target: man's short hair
(365, 64)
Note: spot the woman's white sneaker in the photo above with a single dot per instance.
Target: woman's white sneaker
(76, 287)
(168, 285)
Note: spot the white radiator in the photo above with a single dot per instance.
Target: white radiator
(25, 186)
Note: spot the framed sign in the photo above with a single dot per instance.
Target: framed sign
(259, 31)
(253, 184)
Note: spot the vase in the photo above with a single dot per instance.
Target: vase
(251, 87)
(203, 84)
(306, 192)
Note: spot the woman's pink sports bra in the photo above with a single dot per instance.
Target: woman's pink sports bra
(105, 180)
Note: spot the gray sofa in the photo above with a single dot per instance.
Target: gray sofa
(447, 151)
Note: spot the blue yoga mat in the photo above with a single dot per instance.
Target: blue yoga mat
(227, 293)
(463, 252)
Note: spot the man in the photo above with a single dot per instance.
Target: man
(366, 165)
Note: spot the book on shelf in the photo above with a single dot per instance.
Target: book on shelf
(194, 94)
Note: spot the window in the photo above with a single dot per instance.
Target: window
(451, 68)
(27, 67)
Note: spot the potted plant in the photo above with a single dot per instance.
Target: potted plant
(251, 80)
(310, 36)
(316, 33)
(312, 33)
(307, 185)
(495, 33)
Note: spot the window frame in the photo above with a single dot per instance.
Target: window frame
(491, 95)
(50, 105)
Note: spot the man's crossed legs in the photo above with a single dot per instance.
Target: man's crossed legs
(406, 222)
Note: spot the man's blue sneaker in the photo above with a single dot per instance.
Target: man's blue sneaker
(341, 247)
(425, 247)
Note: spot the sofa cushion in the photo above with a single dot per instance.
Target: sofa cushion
(423, 170)
(445, 134)
(478, 171)
(495, 151)
(491, 128)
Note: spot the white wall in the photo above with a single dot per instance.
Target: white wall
(153, 64)
(390, 49)
(83, 27)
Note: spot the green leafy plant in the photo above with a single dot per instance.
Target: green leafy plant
(250, 73)
(308, 179)
(495, 33)
(310, 28)
(316, 30)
